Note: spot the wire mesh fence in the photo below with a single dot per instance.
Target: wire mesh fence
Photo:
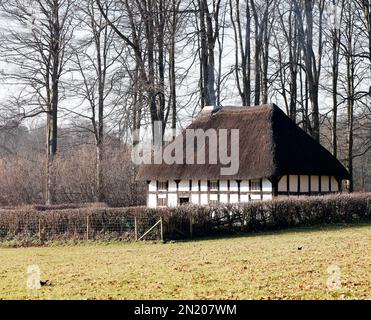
(51, 226)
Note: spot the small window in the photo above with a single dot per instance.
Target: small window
(162, 185)
(184, 200)
(213, 185)
(255, 185)
(161, 202)
(213, 202)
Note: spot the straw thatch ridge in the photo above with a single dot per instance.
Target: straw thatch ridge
(270, 145)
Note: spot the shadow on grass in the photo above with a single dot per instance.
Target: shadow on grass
(302, 229)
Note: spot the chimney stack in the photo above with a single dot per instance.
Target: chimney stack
(207, 109)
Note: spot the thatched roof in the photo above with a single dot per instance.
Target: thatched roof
(271, 144)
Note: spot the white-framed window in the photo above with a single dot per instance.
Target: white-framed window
(161, 202)
(213, 185)
(255, 185)
(162, 185)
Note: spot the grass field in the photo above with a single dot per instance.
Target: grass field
(258, 266)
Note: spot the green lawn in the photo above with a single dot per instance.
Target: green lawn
(258, 266)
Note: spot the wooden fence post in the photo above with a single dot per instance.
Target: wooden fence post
(136, 228)
(190, 225)
(87, 227)
(39, 228)
(162, 228)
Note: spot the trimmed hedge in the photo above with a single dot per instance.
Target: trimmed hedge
(30, 225)
(285, 213)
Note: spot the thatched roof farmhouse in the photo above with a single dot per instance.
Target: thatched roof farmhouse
(275, 158)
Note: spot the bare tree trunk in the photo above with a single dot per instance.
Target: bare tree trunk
(101, 61)
(257, 55)
(366, 6)
(247, 59)
(350, 93)
(261, 52)
(100, 140)
(172, 74)
(208, 35)
(48, 158)
(350, 112)
(265, 54)
(293, 58)
(205, 99)
(312, 65)
(243, 50)
(211, 39)
(335, 76)
(311, 68)
(52, 117)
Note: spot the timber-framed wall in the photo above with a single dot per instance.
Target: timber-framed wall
(199, 192)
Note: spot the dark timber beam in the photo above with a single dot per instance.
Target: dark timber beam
(274, 181)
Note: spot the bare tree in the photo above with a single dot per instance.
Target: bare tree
(173, 24)
(242, 38)
(286, 76)
(336, 36)
(353, 79)
(365, 6)
(260, 15)
(99, 73)
(36, 49)
(144, 32)
(312, 61)
(208, 32)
